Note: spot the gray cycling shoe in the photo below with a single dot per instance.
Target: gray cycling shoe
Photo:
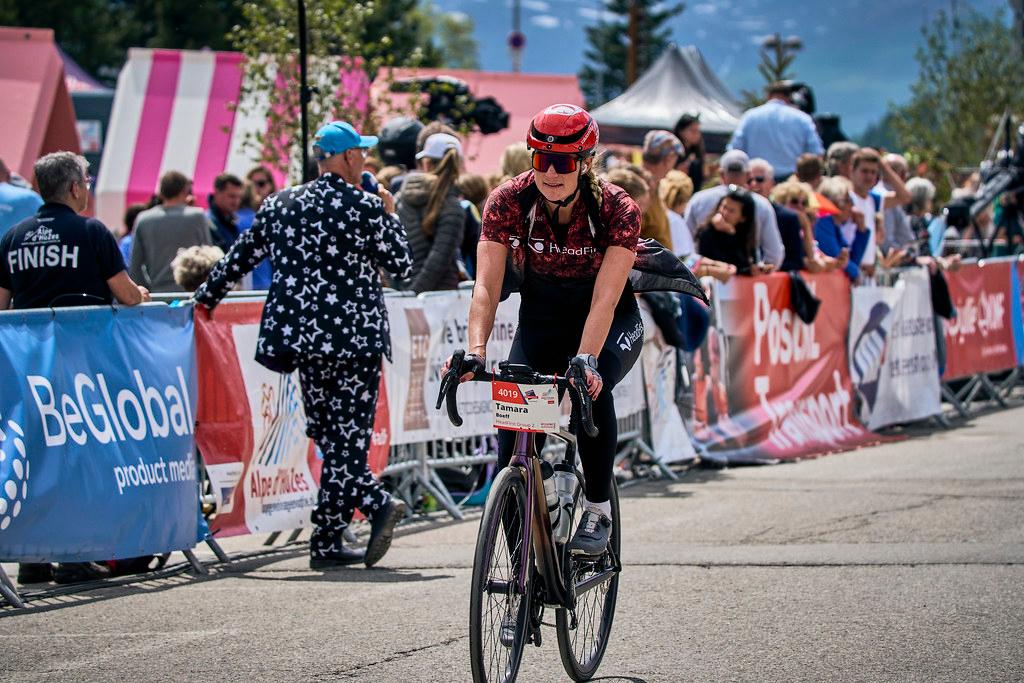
(591, 537)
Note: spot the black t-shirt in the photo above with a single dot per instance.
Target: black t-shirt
(55, 253)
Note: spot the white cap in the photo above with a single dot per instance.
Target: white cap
(439, 143)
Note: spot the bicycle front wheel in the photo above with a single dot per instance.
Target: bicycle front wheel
(583, 633)
(499, 612)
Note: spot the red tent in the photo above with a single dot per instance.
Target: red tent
(36, 116)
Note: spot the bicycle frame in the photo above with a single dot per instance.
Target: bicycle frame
(536, 533)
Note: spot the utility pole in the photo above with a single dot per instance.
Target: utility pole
(1018, 23)
(516, 39)
(634, 32)
(304, 92)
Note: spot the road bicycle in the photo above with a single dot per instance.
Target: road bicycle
(522, 565)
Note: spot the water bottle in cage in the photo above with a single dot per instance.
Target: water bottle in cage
(550, 495)
(565, 489)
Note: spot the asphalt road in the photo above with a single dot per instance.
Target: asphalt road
(903, 562)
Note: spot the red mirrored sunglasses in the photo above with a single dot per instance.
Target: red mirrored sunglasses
(563, 163)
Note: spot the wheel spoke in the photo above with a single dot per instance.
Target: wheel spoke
(584, 647)
(505, 557)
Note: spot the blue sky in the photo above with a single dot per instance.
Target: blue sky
(858, 54)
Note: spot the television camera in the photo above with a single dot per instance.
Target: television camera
(1002, 172)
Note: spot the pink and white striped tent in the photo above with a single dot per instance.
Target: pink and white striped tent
(172, 112)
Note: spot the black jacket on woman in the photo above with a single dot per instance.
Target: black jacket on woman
(721, 246)
(435, 257)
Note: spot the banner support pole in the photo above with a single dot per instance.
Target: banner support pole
(953, 400)
(990, 388)
(9, 592)
(197, 566)
(217, 550)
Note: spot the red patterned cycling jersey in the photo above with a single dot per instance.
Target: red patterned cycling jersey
(573, 252)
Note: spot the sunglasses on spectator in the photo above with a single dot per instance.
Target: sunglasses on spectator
(757, 178)
(563, 163)
(802, 203)
(262, 182)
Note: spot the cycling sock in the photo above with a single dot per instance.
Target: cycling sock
(604, 508)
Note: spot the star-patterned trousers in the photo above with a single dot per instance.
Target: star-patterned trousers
(340, 398)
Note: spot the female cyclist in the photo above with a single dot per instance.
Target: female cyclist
(570, 240)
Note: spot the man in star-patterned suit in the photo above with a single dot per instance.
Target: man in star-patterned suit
(325, 315)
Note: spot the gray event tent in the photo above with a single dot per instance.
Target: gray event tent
(679, 82)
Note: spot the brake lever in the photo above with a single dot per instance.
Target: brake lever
(583, 402)
(450, 386)
(454, 371)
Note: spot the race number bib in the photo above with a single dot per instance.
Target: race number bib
(525, 407)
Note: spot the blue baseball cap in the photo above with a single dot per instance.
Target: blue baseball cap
(338, 136)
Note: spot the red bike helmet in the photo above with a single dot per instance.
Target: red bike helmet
(563, 129)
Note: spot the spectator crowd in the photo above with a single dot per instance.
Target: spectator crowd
(776, 200)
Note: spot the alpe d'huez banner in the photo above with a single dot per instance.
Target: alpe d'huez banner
(97, 459)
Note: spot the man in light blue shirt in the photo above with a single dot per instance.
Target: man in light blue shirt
(777, 132)
(16, 203)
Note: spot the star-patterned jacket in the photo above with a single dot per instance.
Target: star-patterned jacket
(326, 241)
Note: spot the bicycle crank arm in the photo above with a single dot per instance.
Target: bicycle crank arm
(594, 581)
(495, 587)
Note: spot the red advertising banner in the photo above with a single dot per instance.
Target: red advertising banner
(767, 386)
(980, 337)
(251, 429)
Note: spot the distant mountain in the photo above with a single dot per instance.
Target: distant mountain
(858, 55)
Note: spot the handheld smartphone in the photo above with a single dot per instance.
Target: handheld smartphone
(369, 183)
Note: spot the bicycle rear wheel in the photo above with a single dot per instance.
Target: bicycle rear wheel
(583, 633)
(495, 602)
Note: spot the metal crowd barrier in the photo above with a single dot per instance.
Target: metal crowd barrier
(964, 393)
(413, 468)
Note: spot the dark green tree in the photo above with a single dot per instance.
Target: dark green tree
(187, 24)
(96, 33)
(881, 134)
(970, 73)
(450, 36)
(399, 32)
(777, 57)
(603, 76)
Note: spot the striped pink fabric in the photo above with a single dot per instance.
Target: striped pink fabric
(220, 119)
(156, 117)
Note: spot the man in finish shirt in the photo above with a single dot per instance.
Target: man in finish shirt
(60, 258)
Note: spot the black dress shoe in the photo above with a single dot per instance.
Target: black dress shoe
(80, 572)
(382, 528)
(340, 558)
(35, 572)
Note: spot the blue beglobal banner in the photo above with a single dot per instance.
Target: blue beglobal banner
(96, 433)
